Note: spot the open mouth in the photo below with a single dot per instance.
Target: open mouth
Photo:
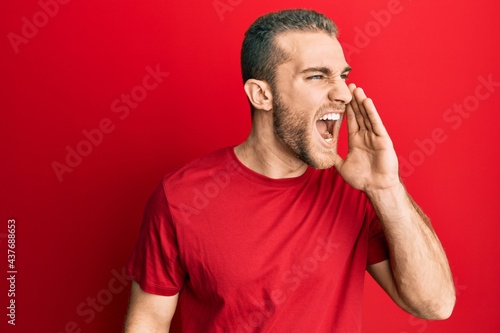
(326, 124)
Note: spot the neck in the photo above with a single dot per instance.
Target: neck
(264, 153)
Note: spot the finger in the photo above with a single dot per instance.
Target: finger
(352, 123)
(360, 97)
(355, 107)
(375, 120)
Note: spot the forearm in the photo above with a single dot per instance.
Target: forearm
(419, 264)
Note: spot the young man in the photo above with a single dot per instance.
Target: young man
(274, 235)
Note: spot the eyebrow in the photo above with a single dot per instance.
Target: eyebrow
(324, 70)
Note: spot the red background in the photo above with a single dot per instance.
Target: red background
(74, 234)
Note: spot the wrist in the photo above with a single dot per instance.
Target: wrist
(396, 188)
(390, 201)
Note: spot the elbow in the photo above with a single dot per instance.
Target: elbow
(437, 310)
(441, 314)
(446, 309)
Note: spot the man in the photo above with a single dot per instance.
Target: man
(274, 235)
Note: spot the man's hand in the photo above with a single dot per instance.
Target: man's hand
(418, 276)
(371, 162)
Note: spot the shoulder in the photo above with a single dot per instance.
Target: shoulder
(330, 178)
(329, 183)
(197, 170)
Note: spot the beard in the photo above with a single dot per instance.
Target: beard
(294, 129)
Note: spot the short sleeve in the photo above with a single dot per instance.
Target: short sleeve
(377, 244)
(154, 263)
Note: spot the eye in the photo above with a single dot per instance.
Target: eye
(316, 77)
(344, 76)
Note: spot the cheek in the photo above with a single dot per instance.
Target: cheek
(308, 97)
(312, 96)
(306, 104)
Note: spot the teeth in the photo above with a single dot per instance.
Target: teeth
(330, 116)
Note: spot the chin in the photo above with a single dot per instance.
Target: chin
(320, 162)
(323, 165)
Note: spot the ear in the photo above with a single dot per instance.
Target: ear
(259, 94)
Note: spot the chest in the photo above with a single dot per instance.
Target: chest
(273, 242)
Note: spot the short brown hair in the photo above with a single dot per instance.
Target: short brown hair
(260, 55)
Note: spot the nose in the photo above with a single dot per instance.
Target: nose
(340, 93)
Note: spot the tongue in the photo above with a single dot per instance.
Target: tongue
(323, 129)
(321, 125)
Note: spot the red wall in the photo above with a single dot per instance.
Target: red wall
(67, 67)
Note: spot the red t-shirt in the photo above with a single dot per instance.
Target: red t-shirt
(253, 254)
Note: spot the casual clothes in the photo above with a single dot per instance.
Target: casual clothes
(253, 254)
